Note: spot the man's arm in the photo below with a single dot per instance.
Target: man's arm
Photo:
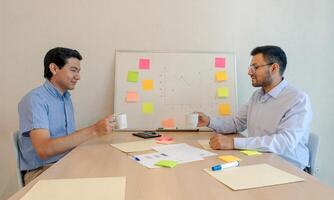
(46, 146)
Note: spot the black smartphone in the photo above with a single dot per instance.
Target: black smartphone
(147, 134)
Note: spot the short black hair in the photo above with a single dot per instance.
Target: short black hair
(272, 54)
(58, 56)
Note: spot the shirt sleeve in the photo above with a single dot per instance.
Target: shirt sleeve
(290, 130)
(33, 113)
(237, 123)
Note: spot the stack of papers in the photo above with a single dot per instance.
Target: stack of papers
(181, 153)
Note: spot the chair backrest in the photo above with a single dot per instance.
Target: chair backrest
(14, 137)
(313, 146)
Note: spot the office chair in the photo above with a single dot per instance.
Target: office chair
(14, 137)
(313, 146)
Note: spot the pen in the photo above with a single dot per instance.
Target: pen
(136, 158)
(224, 166)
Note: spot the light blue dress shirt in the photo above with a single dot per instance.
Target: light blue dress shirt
(45, 108)
(276, 122)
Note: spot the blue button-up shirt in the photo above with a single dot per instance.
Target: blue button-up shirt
(277, 122)
(43, 108)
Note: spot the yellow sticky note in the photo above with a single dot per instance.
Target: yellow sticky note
(166, 163)
(250, 152)
(168, 123)
(132, 97)
(221, 76)
(224, 109)
(147, 84)
(147, 108)
(222, 92)
(229, 158)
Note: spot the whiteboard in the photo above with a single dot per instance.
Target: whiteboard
(183, 82)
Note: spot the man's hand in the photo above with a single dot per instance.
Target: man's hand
(203, 120)
(219, 141)
(105, 125)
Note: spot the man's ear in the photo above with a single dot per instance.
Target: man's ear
(53, 68)
(275, 68)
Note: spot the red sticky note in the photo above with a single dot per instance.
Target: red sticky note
(132, 97)
(144, 63)
(220, 62)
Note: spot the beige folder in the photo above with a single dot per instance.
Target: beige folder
(112, 188)
(142, 145)
(252, 176)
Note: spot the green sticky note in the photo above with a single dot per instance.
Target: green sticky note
(250, 152)
(147, 108)
(222, 92)
(166, 163)
(133, 76)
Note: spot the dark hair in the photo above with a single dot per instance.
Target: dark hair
(58, 56)
(272, 54)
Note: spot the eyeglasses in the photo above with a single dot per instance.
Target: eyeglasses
(252, 68)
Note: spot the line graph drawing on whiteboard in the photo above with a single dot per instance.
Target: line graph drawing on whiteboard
(188, 85)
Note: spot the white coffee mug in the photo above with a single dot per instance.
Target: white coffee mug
(191, 120)
(121, 122)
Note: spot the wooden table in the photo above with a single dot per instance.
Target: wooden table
(97, 158)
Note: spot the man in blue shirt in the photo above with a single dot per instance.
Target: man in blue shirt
(277, 116)
(47, 126)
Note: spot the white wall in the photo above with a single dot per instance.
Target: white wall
(96, 28)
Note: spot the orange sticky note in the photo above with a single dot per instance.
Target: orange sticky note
(221, 76)
(144, 63)
(168, 123)
(224, 109)
(147, 84)
(229, 158)
(220, 62)
(132, 97)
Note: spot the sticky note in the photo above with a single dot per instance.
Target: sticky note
(224, 109)
(147, 108)
(250, 152)
(222, 92)
(229, 158)
(166, 163)
(168, 123)
(133, 76)
(220, 62)
(221, 76)
(144, 63)
(132, 97)
(147, 84)
(165, 140)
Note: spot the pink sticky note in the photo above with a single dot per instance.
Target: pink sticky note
(220, 62)
(144, 63)
(165, 140)
(132, 97)
(168, 123)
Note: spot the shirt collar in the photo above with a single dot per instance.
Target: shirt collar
(278, 88)
(54, 91)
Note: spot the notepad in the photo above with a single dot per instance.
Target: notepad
(142, 145)
(252, 176)
(166, 163)
(250, 152)
(81, 188)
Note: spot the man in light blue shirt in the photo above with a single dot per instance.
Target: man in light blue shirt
(277, 116)
(47, 126)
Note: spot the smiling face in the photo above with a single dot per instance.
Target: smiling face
(67, 77)
(260, 72)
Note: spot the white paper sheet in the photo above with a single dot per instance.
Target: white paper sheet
(183, 150)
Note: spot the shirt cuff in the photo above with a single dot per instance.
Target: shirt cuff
(213, 123)
(240, 143)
